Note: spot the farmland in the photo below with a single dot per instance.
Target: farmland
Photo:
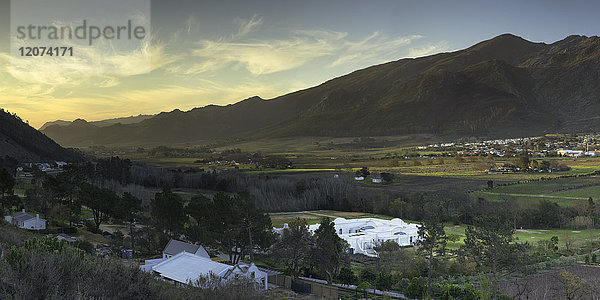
(572, 191)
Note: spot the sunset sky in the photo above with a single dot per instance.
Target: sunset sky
(220, 52)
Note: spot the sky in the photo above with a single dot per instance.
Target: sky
(221, 52)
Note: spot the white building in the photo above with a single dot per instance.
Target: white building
(173, 248)
(571, 153)
(26, 221)
(365, 234)
(186, 268)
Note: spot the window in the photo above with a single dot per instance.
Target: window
(340, 231)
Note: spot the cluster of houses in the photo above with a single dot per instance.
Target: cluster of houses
(550, 145)
(42, 166)
(184, 263)
(575, 153)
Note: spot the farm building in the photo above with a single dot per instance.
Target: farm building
(365, 234)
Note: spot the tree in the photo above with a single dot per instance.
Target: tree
(293, 248)
(389, 254)
(127, 209)
(387, 177)
(167, 211)
(591, 211)
(570, 286)
(330, 250)
(100, 201)
(255, 223)
(234, 225)
(7, 182)
(347, 276)
(364, 172)
(524, 161)
(432, 243)
(490, 244)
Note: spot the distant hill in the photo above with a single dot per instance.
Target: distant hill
(102, 123)
(22, 142)
(502, 87)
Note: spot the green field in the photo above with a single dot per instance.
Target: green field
(577, 238)
(564, 191)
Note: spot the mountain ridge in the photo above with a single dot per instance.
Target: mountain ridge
(501, 87)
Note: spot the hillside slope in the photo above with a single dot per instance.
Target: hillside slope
(506, 86)
(22, 142)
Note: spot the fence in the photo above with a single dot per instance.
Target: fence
(323, 291)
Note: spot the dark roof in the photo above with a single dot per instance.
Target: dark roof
(21, 216)
(175, 247)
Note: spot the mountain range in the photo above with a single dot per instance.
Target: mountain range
(502, 87)
(102, 123)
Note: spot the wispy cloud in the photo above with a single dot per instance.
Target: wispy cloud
(427, 50)
(246, 26)
(373, 49)
(266, 56)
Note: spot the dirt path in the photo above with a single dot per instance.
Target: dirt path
(535, 196)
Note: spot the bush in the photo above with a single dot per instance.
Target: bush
(66, 230)
(347, 276)
(416, 289)
(85, 246)
(385, 281)
(451, 291)
(45, 268)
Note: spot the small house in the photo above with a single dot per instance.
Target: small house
(175, 247)
(26, 221)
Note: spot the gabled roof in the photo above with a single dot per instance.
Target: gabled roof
(22, 216)
(175, 247)
(185, 267)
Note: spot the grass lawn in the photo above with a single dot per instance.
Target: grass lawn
(578, 238)
(93, 238)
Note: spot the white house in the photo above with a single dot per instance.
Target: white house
(377, 180)
(359, 178)
(365, 234)
(175, 247)
(186, 268)
(26, 221)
